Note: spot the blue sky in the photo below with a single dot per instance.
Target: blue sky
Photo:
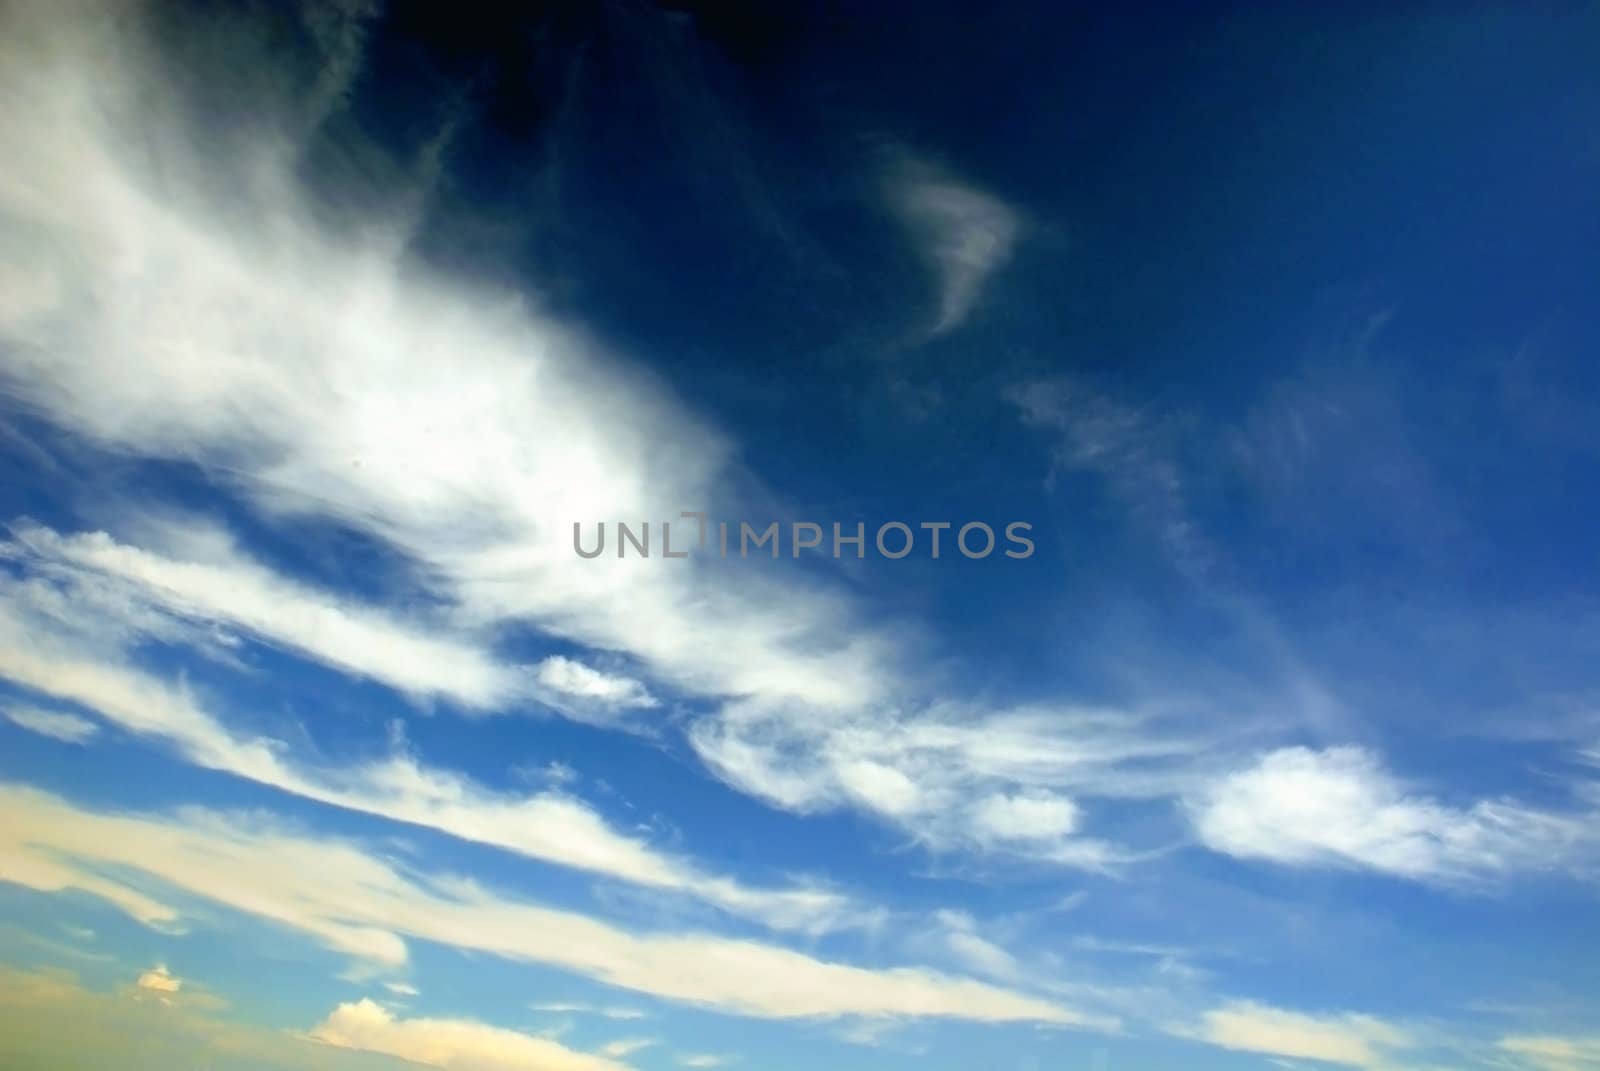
(321, 327)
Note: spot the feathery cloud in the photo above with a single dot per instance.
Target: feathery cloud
(353, 902)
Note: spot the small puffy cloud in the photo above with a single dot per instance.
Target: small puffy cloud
(457, 1044)
(160, 980)
(573, 679)
(703, 1059)
(56, 724)
(1034, 816)
(401, 989)
(1340, 807)
(1350, 1040)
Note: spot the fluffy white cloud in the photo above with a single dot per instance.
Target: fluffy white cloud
(455, 1044)
(1351, 1040)
(358, 904)
(571, 678)
(1026, 817)
(57, 724)
(1340, 807)
(159, 979)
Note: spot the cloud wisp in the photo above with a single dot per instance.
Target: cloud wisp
(966, 234)
(358, 904)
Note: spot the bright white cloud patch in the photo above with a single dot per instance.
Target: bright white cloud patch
(1350, 1040)
(57, 724)
(1026, 817)
(1340, 807)
(160, 980)
(455, 1044)
(573, 678)
(357, 904)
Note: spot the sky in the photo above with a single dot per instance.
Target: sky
(1261, 342)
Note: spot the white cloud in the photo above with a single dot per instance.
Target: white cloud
(559, 1008)
(703, 1059)
(1549, 1053)
(322, 372)
(549, 826)
(1350, 1040)
(1340, 807)
(160, 980)
(1027, 817)
(357, 904)
(965, 233)
(56, 724)
(401, 989)
(456, 1044)
(575, 679)
(973, 950)
(622, 1048)
(952, 776)
(232, 589)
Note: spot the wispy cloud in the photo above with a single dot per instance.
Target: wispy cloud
(966, 234)
(1130, 450)
(221, 586)
(1548, 1053)
(550, 826)
(355, 903)
(608, 1012)
(56, 724)
(622, 1048)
